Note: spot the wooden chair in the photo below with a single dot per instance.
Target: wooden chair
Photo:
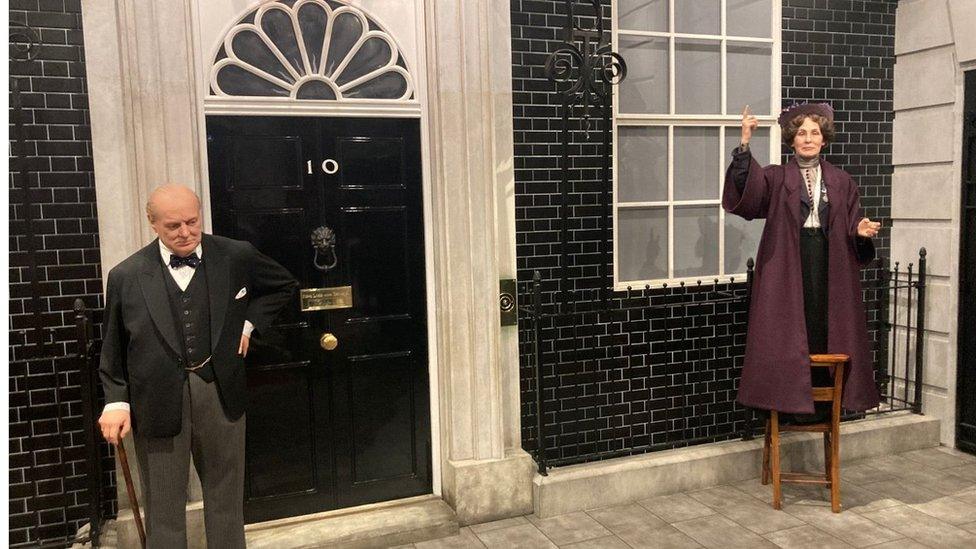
(831, 437)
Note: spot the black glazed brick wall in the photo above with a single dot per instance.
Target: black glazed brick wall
(617, 385)
(46, 443)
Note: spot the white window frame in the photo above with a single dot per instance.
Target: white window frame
(720, 121)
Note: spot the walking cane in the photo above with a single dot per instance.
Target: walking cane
(131, 490)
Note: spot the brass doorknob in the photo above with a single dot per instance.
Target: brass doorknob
(328, 341)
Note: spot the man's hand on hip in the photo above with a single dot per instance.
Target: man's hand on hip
(245, 342)
(115, 424)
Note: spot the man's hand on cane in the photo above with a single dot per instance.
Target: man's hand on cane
(115, 425)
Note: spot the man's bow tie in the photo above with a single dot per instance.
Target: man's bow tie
(191, 260)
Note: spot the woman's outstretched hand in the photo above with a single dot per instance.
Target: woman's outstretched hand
(749, 123)
(868, 228)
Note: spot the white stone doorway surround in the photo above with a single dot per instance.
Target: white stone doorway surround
(148, 99)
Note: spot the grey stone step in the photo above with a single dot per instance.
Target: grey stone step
(630, 479)
(378, 525)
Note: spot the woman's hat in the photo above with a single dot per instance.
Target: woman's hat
(797, 109)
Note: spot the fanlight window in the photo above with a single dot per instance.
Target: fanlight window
(310, 49)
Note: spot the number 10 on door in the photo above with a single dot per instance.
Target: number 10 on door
(329, 166)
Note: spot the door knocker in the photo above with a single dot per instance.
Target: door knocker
(323, 242)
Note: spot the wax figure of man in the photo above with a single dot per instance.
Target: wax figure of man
(178, 318)
(806, 296)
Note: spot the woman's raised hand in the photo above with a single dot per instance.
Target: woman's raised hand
(749, 123)
(868, 228)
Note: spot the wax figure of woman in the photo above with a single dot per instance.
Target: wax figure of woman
(806, 295)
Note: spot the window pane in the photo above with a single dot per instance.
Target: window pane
(749, 18)
(643, 15)
(697, 16)
(748, 76)
(645, 90)
(698, 76)
(696, 163)
(695, 241)
(741, 242)
(642, 163)
(759, 144)
(642, 242)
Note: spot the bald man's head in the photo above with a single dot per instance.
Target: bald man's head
(174, 213)
(166, 195)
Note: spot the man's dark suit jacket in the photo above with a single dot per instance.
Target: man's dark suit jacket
(142, 361)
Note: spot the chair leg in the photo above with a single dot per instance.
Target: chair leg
(826, 451)
(765, 456)
(835, 459)
(774, 457)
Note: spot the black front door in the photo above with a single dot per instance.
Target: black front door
(338, 412)
(966, 362)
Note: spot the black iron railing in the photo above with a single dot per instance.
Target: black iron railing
(61, 468)
(676, 354)
(902, 329)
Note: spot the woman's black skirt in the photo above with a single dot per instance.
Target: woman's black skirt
(813, 260)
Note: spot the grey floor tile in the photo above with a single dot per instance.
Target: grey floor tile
(854, 496)
(948, 509)
(943, 481)
(967, 471)
(495, 525)
(722, 496)
(676, 507)
(903, 543)
(569, 528)
(903, 490)
(970, 458)
(525, 536)
(608, 542)
(882, 503)
(850, 528)
(935, 457)
(805, 537)
(640, 528)
(755, 488)
(625, 518)
(903, 468)
(464, 539)
(791, 492)
(746, 510)
(923, 528)
(862, 473)
(668, 537)
(968, 495)
(893, 464)
(718, 532)
(946, 483)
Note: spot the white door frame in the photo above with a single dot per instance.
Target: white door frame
(361, 109)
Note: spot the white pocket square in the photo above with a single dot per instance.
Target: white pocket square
(241, 293)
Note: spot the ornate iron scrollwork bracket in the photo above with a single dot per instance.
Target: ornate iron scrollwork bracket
(585, 68)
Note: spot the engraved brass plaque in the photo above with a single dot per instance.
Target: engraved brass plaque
(321, 299)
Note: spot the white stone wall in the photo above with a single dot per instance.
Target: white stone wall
(934, 44)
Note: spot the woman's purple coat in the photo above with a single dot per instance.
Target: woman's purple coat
(776, 373)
